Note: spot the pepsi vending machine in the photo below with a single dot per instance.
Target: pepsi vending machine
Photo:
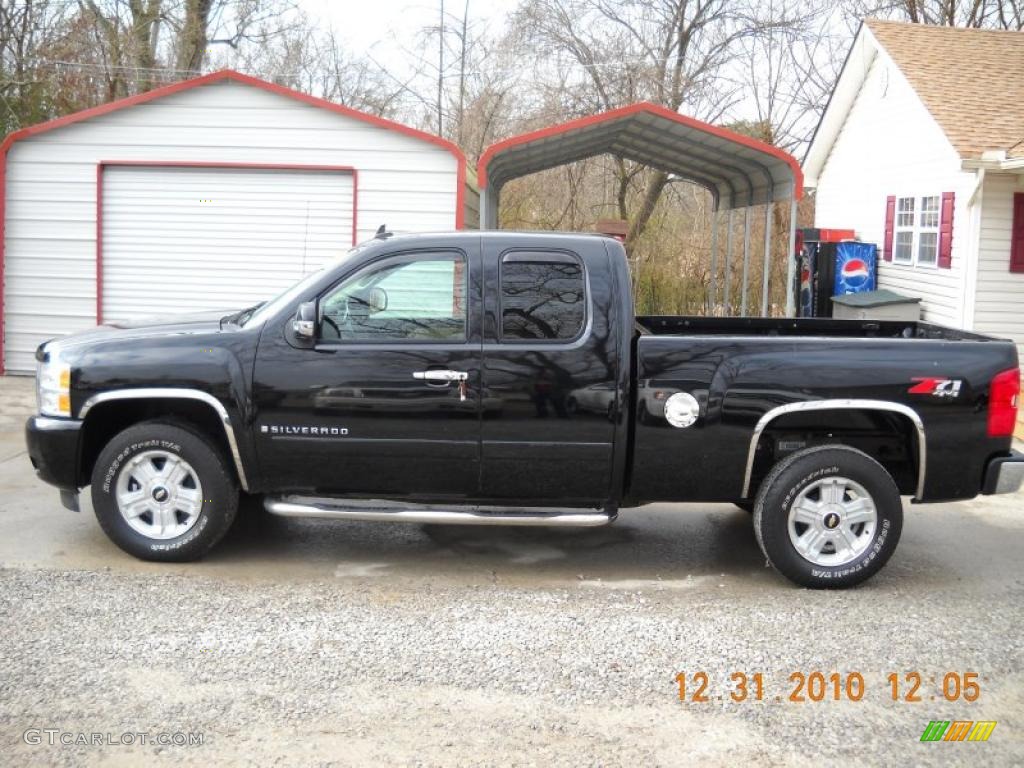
(831, 263)
(856, 268)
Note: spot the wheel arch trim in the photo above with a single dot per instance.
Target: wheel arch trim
(180, 393)
(841, 405)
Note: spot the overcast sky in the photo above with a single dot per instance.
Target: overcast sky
(381, 26)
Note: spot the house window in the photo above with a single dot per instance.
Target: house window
(916, 236)
(928, 232)
(904, 250)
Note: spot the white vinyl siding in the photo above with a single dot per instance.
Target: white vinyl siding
(50, 234)
(999, 297)
(189, 239)
(890, 145)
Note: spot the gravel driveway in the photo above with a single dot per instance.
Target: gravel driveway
(319, 643)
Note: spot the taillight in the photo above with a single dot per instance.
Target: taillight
(1002, 403)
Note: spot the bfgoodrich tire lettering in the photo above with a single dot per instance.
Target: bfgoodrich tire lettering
(827, 466)
(219, 491)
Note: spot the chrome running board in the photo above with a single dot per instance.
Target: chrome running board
(397, 512)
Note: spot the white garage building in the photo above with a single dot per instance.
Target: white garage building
(211, 193)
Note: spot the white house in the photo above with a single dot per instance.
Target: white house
(921, 150)
(209, 193)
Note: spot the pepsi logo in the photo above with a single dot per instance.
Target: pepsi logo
(855, 273)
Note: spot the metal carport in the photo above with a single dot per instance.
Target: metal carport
(738, 171)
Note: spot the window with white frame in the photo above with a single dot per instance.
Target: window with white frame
(903, 252)
(916, 231)
(928, 232)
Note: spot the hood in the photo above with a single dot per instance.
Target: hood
(171, 323)
(156, 325)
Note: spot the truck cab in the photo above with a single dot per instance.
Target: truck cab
(448, 369)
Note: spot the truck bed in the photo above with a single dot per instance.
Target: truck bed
(742, 369)
(682, 325)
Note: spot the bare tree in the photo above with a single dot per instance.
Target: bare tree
(145, 41)
(310, 59)
(994, 14)
(193, 36)
(671, 52)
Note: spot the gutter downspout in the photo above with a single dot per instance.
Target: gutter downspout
(969, 286)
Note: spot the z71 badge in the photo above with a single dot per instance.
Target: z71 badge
(936, 387)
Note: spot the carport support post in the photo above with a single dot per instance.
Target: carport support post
(726, 310)
(767, 257)
(791, 260)
(746, 260)
(489, 208)
(714, 261)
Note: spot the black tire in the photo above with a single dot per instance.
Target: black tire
(780, 490)
(219, 491)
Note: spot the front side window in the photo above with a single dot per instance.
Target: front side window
(542, 296)
(916, 231)
(413, 297)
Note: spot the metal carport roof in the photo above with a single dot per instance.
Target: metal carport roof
(738, 171)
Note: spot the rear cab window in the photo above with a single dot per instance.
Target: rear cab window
(543, 296)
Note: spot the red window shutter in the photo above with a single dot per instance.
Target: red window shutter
(946, 231)
(890, 221)
(1017, 234)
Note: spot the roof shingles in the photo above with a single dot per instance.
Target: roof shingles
(970, 80)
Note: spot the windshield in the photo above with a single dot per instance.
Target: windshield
(262, 312)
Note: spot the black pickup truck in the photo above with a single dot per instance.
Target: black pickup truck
(502, 378)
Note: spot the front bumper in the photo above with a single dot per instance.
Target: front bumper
(54, 449)
(1004, 474)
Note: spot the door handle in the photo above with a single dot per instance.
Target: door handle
(445, 377)
(438, 377)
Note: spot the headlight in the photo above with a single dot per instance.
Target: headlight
(53, 387)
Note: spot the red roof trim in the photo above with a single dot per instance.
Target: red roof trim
(215, 77)
(633, 109)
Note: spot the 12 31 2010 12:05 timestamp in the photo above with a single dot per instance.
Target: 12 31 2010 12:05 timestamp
(815, 686)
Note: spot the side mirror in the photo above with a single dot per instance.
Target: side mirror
(304, 323)
(377, 300)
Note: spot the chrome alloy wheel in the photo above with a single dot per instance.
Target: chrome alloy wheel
(832, 522)
(159, 495)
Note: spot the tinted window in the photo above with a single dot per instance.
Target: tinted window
(542, 296)
(406, 298)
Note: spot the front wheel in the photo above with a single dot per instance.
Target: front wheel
(828, 517)
(163, 492)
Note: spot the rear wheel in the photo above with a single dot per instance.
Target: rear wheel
(828, 517)
(163, 492)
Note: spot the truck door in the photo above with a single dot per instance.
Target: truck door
(550, 396)
(387, 400)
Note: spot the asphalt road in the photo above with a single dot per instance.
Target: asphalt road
(320, 643)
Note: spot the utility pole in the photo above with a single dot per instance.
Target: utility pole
(462, 72)
(440, 69)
